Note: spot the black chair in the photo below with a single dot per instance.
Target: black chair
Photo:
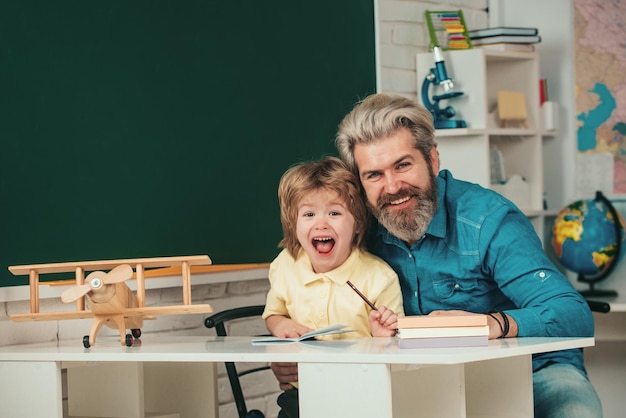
(218, 321)
(597, 306)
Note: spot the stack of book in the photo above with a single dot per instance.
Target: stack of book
(506, 38)
(442, 331)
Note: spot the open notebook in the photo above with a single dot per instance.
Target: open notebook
(330, 330)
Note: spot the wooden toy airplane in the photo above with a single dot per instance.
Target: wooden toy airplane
(111, 301)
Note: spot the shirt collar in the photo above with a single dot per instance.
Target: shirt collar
(340, 275)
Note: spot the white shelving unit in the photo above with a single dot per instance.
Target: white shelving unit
(480, 74)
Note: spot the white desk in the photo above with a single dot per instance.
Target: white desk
(337, 379)
(606, 361)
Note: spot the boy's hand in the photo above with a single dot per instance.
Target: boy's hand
(288, 328)
(383, 322)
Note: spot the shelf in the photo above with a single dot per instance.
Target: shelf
(481, 75)
(551, 213)
(509, 55)
(533, 213)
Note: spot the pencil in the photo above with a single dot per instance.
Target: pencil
(358, 292)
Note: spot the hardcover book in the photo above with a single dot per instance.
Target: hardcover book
(443, 342)
(502, 31)
(425, 321)
(507, 39)
(443, 332)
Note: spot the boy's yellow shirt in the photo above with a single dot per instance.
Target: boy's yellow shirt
(319, 300)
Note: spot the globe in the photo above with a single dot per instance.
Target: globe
(587, 240)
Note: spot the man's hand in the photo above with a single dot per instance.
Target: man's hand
(285, 373)
(495, 328)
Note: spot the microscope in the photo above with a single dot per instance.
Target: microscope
(438, 76)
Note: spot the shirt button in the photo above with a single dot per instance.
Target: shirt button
(320, 314)
(542, 274)
(456, 286)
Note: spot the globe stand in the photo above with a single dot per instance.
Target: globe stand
(605, 273)
(602, 293)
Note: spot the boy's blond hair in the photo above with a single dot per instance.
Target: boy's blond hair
(329, 173)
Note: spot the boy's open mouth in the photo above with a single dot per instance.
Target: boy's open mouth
(323, 245)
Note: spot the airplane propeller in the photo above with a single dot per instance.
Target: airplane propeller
(96, 281)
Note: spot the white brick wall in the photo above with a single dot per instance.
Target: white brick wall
(402, 34)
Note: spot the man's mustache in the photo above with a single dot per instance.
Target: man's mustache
(409, 191)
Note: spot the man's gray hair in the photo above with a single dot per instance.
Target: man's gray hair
(380, 115)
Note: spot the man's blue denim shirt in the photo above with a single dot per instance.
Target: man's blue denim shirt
(480, 253)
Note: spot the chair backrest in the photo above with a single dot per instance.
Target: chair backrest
(598, 306)
(219, 321)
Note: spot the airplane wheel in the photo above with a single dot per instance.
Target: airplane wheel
(129, 340)
(136, 332)
(86, 341)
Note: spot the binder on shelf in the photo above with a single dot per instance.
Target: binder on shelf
(543, 91)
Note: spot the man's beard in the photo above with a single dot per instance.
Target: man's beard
(411, 223)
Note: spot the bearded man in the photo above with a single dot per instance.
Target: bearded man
(459, 248)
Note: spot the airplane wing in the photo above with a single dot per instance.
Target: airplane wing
(146, 312)
(168, 310)
(51, 316)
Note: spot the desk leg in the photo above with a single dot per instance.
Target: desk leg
(127, 389)
(490, 388)
(429, 391)
(344, 390)
(105, 389)
(187, 388)
(31, 390)
(500, 387)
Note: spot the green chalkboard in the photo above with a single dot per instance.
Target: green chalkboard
(161, 128)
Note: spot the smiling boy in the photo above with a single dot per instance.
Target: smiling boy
(324, 222)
